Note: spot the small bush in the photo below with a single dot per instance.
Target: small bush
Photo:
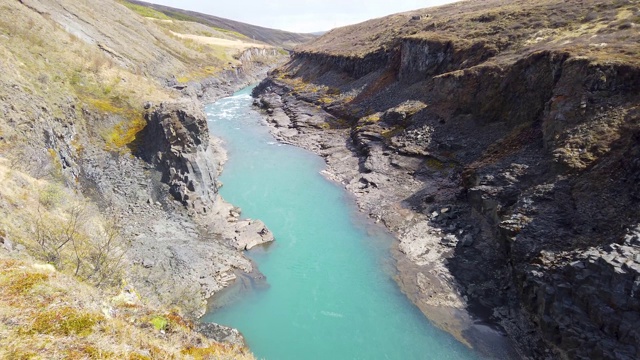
(50, 196)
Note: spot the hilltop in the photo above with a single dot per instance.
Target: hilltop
(274, 37)
(600, 30)
(498, 140)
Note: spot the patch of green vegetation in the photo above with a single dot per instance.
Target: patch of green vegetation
(57, 164)
(231, 32)
(160, 323)
(21, 283)
(110, 99)
(388, 134)
(436, 164)
(210, 352)
(326, 100)
(333, 91)
(371, 119)
(124, 133)
(144, 11)
(340, 124)
(136, 356)
(64, 321)
(183, 17)
(50, 196)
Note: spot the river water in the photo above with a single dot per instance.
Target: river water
(330, 293)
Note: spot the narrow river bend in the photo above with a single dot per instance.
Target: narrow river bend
(331, 293)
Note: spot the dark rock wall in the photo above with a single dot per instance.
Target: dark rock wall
(423, 58)
(556, 196)
(176, 141)
(354, 67)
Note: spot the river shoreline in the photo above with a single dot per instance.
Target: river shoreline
(330, 273)
(420, 255)
(180, 252)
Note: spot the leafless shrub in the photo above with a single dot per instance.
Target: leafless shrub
(93, 255)
(52, 236)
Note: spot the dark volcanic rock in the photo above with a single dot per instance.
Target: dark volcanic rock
(221, 333)
(176, 141)
(532, 148)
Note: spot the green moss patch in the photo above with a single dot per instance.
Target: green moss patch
(64, 321)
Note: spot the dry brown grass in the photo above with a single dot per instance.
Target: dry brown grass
(57, 226)
(45, 314)
(53, 67)
(512, 27)
(48, 313)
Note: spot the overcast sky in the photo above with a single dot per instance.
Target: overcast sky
(300, 15)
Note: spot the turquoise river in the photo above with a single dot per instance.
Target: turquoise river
(330, 293)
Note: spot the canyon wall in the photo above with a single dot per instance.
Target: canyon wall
(522, 157)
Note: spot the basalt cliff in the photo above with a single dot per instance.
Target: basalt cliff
(499, 141)
(112, 232)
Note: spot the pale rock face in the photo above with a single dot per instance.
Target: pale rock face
(248, 234)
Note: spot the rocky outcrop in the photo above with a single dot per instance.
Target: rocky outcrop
(587, 301)
(221, 333)
(247, 234)
(176, 141)
(422, 58)
(510, 178)
(355, 67)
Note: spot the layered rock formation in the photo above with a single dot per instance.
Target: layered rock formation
(502, 154)
(74, 122)
(176, 141)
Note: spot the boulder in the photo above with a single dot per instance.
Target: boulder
(249, 233)
(221, 333)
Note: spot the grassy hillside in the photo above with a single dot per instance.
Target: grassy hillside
(603, 29)
(45, 314)
(76, 77)
(63, 295)
(269, 36)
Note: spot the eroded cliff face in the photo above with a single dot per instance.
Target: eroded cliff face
(142, 178)
(511, 173)
(176, 140)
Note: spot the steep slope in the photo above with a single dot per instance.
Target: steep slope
(108, 168)
(45, 314)
(498, 140)
(274, 37)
